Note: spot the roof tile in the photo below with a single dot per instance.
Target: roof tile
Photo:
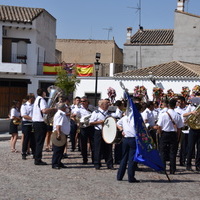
(19, 14)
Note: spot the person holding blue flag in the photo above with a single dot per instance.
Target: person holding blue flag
(126, 125)
(143, 150)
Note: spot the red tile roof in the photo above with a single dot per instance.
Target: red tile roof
(19, 14)
(174, 69)
(152, 37)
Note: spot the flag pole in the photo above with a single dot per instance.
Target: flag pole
(167, 176)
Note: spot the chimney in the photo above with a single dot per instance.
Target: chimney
(128, 35)
(180, 5)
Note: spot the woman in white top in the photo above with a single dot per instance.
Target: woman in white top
(15, 120)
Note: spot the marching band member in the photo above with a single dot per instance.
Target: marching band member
(97, 120)
(169, 126)
(86, 131)
(61, 124)
(39, 126)
(128, 148)
(15, 118)
(181, 109)
(149, 119)
(194, 134)
(74, 133)
(26, 113)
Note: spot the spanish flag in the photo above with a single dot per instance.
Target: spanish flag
(84, 70)
(51, 69)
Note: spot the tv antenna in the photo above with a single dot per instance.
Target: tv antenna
(138, 10)
(109, 30)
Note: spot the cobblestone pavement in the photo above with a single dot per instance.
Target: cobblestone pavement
(22, 180)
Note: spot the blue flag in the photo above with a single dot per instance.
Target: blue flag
(146, 152)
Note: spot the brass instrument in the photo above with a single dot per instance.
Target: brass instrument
(54, 93)
(84, 121)
(193, 121)
(17, 121)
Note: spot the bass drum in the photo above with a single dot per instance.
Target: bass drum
(110, 133)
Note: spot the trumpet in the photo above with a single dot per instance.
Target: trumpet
(17, 121)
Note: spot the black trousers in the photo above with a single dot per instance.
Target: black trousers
(27, 130)
(193, 138)
(102, 148)
(40, 129)
(184, 148)
(169, 146)
(73, 129)
(85, 135)
(57, 155)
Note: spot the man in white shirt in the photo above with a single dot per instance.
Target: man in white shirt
(26, 113)
(181, 109)
(194, 135)
(169, 126)
(86, 131)
(61, 124)
(128, 148)
(39, 126)
(100, 146)
(149, 120)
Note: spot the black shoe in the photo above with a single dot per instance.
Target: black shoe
(84, 162)
(111, 168)
(172, 172)
(72, 150)
(189, 168)
(182, 164)
(23, 157)
(65, 155)
(40, 163)
(55, 167)
(198, 169)
(134, 181)
(62, 166)
(97, 167)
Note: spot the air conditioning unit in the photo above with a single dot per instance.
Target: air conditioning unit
(4, 32)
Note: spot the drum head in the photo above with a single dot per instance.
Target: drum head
(109, 130)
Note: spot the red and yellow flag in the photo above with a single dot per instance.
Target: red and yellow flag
(84, 70)
(51, 69)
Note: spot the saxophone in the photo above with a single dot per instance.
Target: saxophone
(54, 93)
(193, 121)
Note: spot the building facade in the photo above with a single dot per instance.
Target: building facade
(27, 39)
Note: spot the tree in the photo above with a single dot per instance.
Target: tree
(66, 82)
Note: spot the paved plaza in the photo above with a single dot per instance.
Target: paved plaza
(22, 180)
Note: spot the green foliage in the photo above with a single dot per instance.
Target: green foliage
(66, 82)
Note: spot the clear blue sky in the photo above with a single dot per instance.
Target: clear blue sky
(90, 19)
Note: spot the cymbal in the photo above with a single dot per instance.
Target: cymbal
(57, 142)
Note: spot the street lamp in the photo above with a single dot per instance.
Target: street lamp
(152, 78)
(96, 64)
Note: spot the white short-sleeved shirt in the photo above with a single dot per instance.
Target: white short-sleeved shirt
(128, 128)
(148, 115)
(162, 111)
(165, 122)
(60, 119)
(81, 112)
(26, 109)
(14, 113)
(98, 115)
(118, 114)
(37, 109)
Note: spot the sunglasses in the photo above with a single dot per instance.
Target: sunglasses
(83, 101)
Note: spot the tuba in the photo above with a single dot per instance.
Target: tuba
(193, 121)
(54, 93)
